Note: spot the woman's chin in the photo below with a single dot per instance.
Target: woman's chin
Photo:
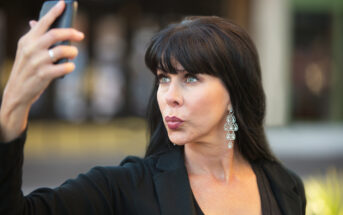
(178, 141)
(179, 137)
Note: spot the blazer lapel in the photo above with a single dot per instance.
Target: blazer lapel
(172, 185)
(284, 188)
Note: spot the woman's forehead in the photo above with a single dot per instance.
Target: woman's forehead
(176, 67)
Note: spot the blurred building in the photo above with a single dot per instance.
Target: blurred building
(299, 42)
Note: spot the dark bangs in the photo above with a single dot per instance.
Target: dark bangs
(189, 44)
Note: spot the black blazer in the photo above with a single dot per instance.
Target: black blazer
(286, 186)
(154, 185)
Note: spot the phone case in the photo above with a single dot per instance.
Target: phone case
(64, 21)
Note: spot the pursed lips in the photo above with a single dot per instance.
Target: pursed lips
(173, 122)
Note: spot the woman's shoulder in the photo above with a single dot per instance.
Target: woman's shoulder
(133, 169)
(135, 172)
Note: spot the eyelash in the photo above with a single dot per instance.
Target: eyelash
(161, 76)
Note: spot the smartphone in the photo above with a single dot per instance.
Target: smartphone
(65, 20)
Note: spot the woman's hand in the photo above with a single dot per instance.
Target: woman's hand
(33, 70)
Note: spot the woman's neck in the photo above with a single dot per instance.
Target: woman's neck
(215, 161)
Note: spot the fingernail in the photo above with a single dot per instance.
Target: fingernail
(31, 23)
(59, 4)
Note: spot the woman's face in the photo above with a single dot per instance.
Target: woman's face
(193, 107)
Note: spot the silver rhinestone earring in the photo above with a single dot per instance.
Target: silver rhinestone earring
(230, 126)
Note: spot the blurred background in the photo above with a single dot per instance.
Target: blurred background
(95, 116)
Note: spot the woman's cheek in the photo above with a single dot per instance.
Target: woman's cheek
(160, 100)
(209, 108)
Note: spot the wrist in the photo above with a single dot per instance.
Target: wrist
(13, 119)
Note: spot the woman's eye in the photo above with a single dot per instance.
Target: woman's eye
(191, 79)
(163, 79)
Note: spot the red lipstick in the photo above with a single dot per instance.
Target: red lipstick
(173, 122)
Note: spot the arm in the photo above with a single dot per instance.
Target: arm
(103, 190)
(33, 70)
(90, 193)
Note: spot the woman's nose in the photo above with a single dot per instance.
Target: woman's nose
(174, 95)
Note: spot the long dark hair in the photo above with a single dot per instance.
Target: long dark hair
(218, 47)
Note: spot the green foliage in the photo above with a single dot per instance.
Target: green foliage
(325, 194)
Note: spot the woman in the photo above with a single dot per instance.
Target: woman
(207, 154)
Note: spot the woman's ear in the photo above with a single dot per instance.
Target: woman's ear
(229, 107)
(229, 104)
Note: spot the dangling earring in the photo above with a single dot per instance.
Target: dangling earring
(230, 126)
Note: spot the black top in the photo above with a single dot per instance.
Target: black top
(268, 203)
(154, 185)
(198, 210)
